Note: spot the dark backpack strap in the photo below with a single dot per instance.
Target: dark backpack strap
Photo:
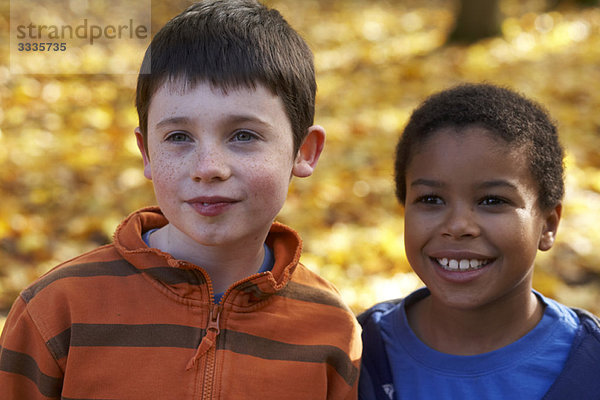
(374, 356)
(580, 378)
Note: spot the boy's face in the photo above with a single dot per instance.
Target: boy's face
(472, 220)
(221, 163)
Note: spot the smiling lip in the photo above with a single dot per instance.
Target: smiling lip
(211, 206)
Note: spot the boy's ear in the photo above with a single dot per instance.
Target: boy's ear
(551, 226)
(309, 152)
(140, 143)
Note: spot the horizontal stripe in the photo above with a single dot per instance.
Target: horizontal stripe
(118, 268)
(254, 291)
(148, 335)
(24, 365)
(86, 270)
(174, 276)
(59, 344)
(298, 291)
(243, 343)
(179, 336)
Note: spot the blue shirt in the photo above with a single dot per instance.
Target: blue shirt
(524, 369)
(267, 264)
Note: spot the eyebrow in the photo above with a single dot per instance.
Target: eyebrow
(173, 121)
(498, 183)
(233, 119)
(240, 118)
(484, 185)
(426, 182)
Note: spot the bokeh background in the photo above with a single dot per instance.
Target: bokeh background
(70, 170)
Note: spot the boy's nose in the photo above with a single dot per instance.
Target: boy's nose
(209, 164)
(461, 222)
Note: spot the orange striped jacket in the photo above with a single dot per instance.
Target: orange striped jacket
(128, 322)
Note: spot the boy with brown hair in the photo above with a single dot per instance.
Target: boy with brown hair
(203, 297)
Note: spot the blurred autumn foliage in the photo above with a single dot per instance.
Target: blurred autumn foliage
(71, 170)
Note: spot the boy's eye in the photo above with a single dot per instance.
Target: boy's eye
(178, 137)
(492, 201)
(430, 199)
(243, 136)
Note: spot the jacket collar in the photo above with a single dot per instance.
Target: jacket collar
(186, 280)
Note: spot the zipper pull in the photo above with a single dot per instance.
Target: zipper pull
(209, 340)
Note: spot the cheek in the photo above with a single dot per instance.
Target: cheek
(524, 235)
(515, 237)
(269, 180)
(274, 167)
(414, 238)
(164, 180)
(420, 224)
(162, 177)
(268, 183)
(166, 166)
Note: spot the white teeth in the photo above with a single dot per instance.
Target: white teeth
(462, 265)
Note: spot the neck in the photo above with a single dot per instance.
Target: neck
(474, 331)
(225, 264)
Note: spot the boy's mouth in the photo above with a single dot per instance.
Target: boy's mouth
(450, 264)
(208, 201)
(211, 206)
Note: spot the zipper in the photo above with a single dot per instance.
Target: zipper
(211, 357)
(208, 342)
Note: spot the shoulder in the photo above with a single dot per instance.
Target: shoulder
(318, 311)
(591, 321)
(579, 377)
(304, 275)
(590, 328)
(373, 314)
(586, 344)
(50, 302)
(376, 380)
(315, 302)
(102, 261)
(311, 287)
(76, 287)
(581, 321)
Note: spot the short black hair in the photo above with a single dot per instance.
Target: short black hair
(517, 120)
(229, 44)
